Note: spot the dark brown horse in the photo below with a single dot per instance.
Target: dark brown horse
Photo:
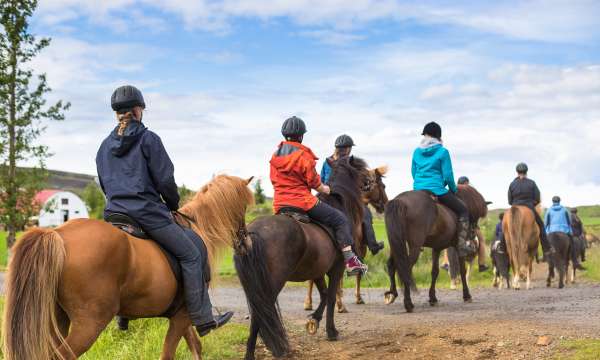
(414, 220)
(373, 193)
(65, 285)
(282, 249)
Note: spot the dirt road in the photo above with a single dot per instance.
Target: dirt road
(504, 324)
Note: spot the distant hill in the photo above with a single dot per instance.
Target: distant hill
(69, 181)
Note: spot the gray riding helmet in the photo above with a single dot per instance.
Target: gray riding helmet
(293, 126)
(126, 97)
(344, 141)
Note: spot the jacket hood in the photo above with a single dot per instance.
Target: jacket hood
(429, 146)
(288, 154)
(556, 207)
(120, 145)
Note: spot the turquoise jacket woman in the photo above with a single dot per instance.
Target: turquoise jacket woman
(432, 168)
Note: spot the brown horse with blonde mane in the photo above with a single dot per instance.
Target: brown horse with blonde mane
(522, 237)
(64, 285)
(415, 220)
(373, 193)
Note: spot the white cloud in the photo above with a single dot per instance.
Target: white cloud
(573, 21)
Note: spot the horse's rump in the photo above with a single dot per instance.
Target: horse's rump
(522, 237)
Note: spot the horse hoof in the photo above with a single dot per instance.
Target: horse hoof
(433, 303)
(333, 336)
(308, 307)
(342, 310)
(360, 301)
(469, 300)
(389, 298)
(410, 310)
(312, 326)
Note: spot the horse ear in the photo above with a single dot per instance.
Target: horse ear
(382, 170)
(249, 180)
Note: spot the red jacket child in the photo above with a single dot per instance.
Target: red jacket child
(293, 175)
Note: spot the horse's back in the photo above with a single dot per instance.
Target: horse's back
(299, 251)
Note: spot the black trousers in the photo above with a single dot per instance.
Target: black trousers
(541, 226)
(193, 259)
(334, 218)
(455, 204)
(368, 230)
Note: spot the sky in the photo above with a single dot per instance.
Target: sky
(508, 81)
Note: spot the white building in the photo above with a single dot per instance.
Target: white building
(58, 207)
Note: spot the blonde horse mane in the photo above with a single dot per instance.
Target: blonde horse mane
(219, 210)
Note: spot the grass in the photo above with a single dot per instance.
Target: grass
(583, 349)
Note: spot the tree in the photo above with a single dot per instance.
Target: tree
(22, 110)
(259, 193)
(94, 199)
(185, 194)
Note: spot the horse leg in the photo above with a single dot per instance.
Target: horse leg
(334, 280)
(193, 343)
(339, 298)
(84, 331)
(550, 274)
(308, 299)
(529, 272)
(391, 295)
(435, 271)
(315, 318)
(179, 324)
(251, 343)
(359, 299)
(463, 277)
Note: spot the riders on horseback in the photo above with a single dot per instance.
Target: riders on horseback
(432, 171)
(343, 147)
(558, 220)
(524, 191)
(293, 176)
(136, 175)
(577, 227)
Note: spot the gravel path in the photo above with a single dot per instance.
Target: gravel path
(497, 324)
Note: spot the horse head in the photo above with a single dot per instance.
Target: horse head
(374, 189)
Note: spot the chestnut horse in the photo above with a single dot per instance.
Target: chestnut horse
(522, 237)
(64, 285)
(281, 249)
(414, 220)
(373, 192)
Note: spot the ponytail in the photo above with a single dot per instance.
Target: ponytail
(124, 120)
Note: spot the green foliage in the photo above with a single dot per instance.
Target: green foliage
(184, 194)
(94, 199)
(259, 193)
(581, 349)
(22, 110)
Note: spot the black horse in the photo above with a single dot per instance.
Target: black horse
(282, 249)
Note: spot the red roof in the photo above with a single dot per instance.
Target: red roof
(44, 195)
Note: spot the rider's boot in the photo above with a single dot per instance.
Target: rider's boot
(218, 321)
(547, 248)
(353, 264)
(466, 247)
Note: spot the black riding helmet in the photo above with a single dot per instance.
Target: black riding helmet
(463, 180)
(556, 199)
(125, 98)
(574, 210)
(433, 129)
(293, 127)
(344, 141)
(522, 168)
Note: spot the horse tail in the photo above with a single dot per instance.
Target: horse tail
(395, 224)
(30, 327)
(519, 245)
(252, 270)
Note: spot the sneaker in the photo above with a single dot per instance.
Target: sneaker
(354, 266)
(377, 248)
(215, 323)
(483, 268)
(445, 267)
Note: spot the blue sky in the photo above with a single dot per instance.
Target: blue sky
(509, 82)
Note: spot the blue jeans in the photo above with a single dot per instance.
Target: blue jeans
(191, 253)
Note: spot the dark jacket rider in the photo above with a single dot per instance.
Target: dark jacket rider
(524, 191)
(136, 175)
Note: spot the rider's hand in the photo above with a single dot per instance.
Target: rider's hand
(324, 189)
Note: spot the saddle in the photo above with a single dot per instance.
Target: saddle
(130, 226)
(301, 216)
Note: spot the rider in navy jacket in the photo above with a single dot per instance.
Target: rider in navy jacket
(136, 175)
